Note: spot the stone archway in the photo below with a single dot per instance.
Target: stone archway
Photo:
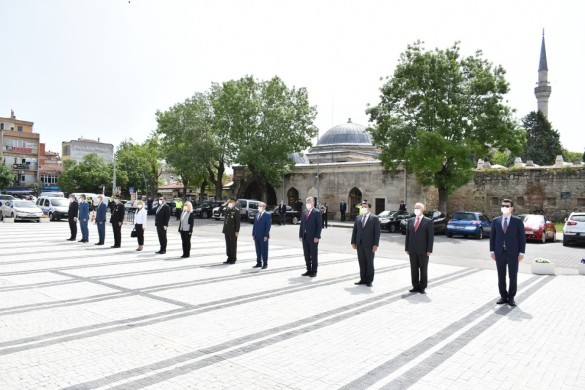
(252, 191)
(292, 196)
(354, 198)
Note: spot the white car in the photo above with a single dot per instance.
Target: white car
(574, 230)
(20, 209)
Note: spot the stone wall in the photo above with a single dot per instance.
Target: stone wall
(555, 192)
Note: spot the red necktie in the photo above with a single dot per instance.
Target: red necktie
(308, 212)
(505, 224)
(416, 224)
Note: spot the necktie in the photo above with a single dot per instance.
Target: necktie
(307, 218)
(505, 224)
(416, 224)
(364, 219)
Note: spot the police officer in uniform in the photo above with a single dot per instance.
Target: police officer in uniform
(231, 230)
(117, 219)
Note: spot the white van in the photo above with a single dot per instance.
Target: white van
(54, 207)
(54, 194)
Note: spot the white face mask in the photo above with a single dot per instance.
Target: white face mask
(260, 208)
(365, 210)
(309, 206)
(231, 205)
(506, 210)
(417, 212)
(139, 206)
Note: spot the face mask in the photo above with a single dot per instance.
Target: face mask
(260, 209)
(309, 206)
(505, 210)
(139, 206)
(362, 210)
(184, 208)
(365, 210)
(417, 212)
(231, 205)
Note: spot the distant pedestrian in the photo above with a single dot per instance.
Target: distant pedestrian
(186, 223)
(84, 219)
(342, 210)
(282, 213)
(140, 223)
(100, 219)
(507, 248)
(161, 221)
(420, 235)
(309, 235)
(402, 206)
(117, 219)
(72, 217)
(261, 235)
(231, 231)
(366, 239)
(324, 209)
(178, 208)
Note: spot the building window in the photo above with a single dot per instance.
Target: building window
(495, 200)
(1, 126)
(520, 201)
(20, 128)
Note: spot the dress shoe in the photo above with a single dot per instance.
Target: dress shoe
(184, 256)
(99, 243)
(312, 275)
(512, 302)
(306, 274)
(257, 266)
(160, 252)
(264, 266)
(115, 246)
(71, 239)
(369, 284)
(232, 262)
(358, 283)
(413, 290)
(226, 262)
(502, 301)
(422, 291)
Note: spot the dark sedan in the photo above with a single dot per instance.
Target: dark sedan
(291, 215)
(390, 220)
(205, 209)
(439, 222)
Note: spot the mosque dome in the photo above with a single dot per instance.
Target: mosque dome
(346, 134)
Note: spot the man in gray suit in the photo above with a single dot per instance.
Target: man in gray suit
(366, 239)
(420, 235)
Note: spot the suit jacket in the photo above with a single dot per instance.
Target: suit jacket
(73, 210)
(190, 221)
(163, 214)
(262, 226)
(368, 235)
(421, 241)
(514, 238)
(231, 222)
(118, 214)
(281, 209)
(100, 214)
(311, 227)
(343, 207)
(84, 211)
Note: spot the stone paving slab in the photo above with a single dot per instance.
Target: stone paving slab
(79, 316)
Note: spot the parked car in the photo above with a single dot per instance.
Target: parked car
(574, 229)
(439, 222)
(538, 228)
(218, 212)
(23, 210)
(56, 208)
(245, 205)
(390, 220)
(291, 215)
(205, 209)
(6, 197)
(469, 223)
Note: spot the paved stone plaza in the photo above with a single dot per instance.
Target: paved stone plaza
(80, 316)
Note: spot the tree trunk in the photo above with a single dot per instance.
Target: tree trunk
(443, 200)
(219, 182)
(202, 190)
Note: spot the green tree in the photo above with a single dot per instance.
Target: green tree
(440, 112)
(6, 175)
(569, 156)
(543, 143)
(90, 175)
(153, 152)
(268, 122)
(132, 159)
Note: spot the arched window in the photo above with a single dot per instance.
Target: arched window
(355, 198)
(292, 196)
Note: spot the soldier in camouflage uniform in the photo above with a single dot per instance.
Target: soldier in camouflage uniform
(231, 230)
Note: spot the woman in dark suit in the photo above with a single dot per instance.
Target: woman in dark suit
(186, 228)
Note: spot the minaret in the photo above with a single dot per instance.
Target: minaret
(543, 89)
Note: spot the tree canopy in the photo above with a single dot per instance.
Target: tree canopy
(439, 112)
(135, 161)
(6, 175)
(543, 143)
(92, 174)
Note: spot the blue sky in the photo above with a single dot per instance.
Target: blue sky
(102, 68)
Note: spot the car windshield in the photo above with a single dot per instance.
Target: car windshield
(464, 216)
(24, 204)
(533, 219)
(578, 218)
(385, 214)
(60, 202)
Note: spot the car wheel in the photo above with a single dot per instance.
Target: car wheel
(1, 216)
(479, 235)
(51, 216)
(392, 228)
(217, 219)
(543, 240)
(554, 237)
(565, 242)
(295, 220)
(204, 215)
(450, 235)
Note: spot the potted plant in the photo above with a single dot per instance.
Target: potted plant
(543, 267)
(582, 267)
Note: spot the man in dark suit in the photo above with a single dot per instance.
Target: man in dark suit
(342, 210)
(161, 221)
(309, 235)
(261, 235)
(117, 219)
(366, 239)
(282, 213)
(100, 220)
(420, 235)
(231, 230)
(507, 248)
(84, 219)
(72, 217)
